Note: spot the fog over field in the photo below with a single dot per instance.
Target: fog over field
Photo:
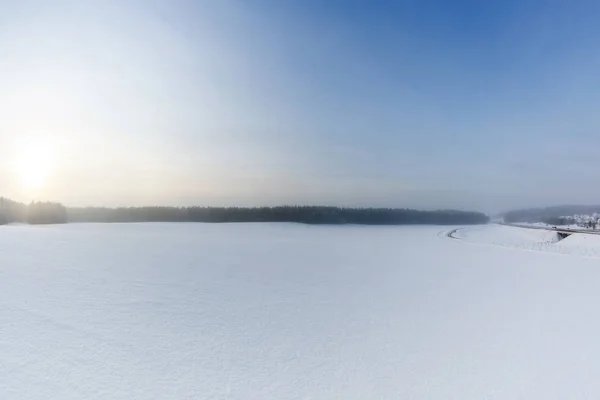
(290, 311)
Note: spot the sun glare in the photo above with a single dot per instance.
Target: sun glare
(33, 165)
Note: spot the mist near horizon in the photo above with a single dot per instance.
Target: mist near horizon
(418, 104)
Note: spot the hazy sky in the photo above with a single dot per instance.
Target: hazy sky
(469, 104)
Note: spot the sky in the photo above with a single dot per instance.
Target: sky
(425, 104)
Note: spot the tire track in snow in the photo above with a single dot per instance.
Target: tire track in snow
(451, 233)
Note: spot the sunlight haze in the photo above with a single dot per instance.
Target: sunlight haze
(410, 104)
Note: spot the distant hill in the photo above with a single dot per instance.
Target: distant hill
(549, 214)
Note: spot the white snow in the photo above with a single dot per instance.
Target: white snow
(285, 311)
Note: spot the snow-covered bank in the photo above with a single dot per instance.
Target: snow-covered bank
(283, 311)
(578, 244)
(508, 236)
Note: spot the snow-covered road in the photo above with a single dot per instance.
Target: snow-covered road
(285, 311)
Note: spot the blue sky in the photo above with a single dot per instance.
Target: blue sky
(427, 104)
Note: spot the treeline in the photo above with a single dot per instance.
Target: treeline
(51, 213)
(12, 211)
(548, 215)
(560, 221)
(302, 214)
(46, 213)
(37, 212)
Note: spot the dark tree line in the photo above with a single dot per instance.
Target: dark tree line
(302, 214)
(51, 213)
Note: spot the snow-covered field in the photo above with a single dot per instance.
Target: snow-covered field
(285, 311)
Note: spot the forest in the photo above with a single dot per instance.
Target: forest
(36, 212)
(50, 212)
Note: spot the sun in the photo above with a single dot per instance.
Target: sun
(33, 164)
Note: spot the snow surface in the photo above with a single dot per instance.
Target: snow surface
(284, 311)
